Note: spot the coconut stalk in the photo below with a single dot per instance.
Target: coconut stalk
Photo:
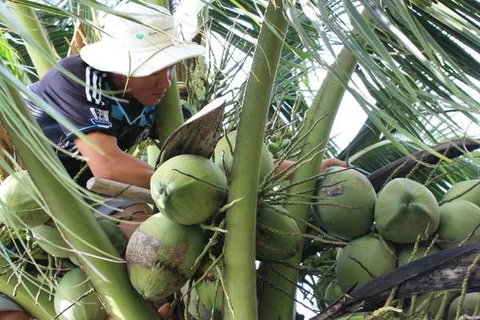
(239, 260)
(43, 54)
(281, 280)
(73, 217)
(34, 297)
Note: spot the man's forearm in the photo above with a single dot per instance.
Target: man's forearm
(127, 169)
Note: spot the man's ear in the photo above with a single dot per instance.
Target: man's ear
(120, 82)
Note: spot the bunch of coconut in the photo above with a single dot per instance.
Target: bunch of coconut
(165, 251)
(344, 206)
(277, 234)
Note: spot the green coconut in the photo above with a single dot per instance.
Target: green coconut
(362, 260)
(51, 241)
(208, 287)
(464, 190)
(333, 291)
(223, 156)
(19, 202)
(405, 253)
(458, 220)
(470, 306)
(319, 291)
(161, 255)
(196, 308)
(348, 199)
(404, 210)
(114, 233)
(188, 188)
(71, 301)
(277, 235)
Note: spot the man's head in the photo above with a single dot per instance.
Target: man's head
(138, 41)
(148, 90)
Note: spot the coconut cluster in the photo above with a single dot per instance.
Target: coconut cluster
(387, 229)
(168, 252)
(172, 250)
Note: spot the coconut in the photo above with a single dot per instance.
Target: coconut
(208, 287)
(196, 308)
(349, 199)
(470, 306)
(161, 255)
(51, 241)
(464, 190)
(362, 260)
(188, 188)
(19, 202)
(333, 291)
(71, 301)
(277, 235)
(404, 210)
(223, 155)
(405, 253)
(458, 220)
(319, 291)
(114, 233)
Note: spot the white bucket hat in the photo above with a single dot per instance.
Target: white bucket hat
(139, 45)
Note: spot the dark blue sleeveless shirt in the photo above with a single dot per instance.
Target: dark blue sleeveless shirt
(87, 102)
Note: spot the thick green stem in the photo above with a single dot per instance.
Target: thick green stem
(169, 113)
(27, 292)
(74, 219)
(43, 54)
(280, 286)
(240, 240)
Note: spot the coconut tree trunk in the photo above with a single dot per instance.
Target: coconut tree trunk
(240, 274)
(72, 216)
(280, 280)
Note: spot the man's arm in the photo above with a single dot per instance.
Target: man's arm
(108, 161)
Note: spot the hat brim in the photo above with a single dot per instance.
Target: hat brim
(137, 63)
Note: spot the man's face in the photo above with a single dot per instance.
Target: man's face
(149, 90)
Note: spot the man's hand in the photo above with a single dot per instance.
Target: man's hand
(327, 163)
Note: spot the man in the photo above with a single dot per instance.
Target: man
(109, 93)
(122, 78)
